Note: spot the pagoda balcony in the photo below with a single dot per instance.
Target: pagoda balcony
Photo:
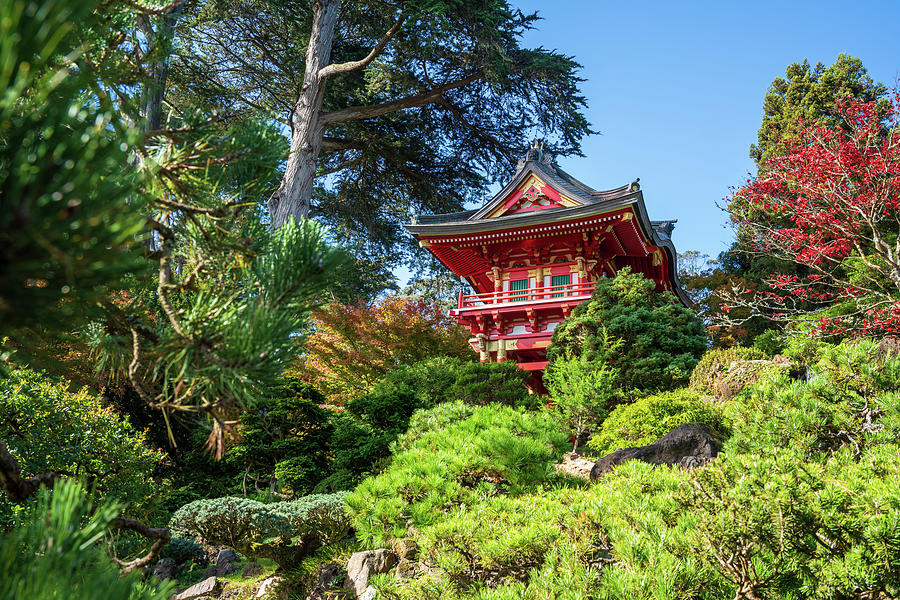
(512, 300)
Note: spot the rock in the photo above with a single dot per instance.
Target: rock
(210, 571)
(165, 568)
(363, 565)
(273, 587)
(227, 554)
(226, 568)
(405, 548)
(326, 581)
(888, 348)
(207, 587)
(687, 445)
(407, 569)
(369, 594)
(572, 464)
(252, 569)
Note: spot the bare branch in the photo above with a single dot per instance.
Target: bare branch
(354, 113)
(161, 536)
(353, 65)
(18, 488)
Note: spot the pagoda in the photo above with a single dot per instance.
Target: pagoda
(534, 252)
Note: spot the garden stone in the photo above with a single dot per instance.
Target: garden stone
(369, 594)
(227, 554)
(252, 569)
(273, 587)
(572, 464)
(211, 571)
(207, 587)
(405, 548)
(164, 569)
(688, 445)
(407, 569)
(363, 565)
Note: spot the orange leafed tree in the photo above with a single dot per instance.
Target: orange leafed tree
(352, 346)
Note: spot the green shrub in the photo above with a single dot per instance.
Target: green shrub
(491, 383)
(284, 441)
(662, 339)
(770, 341)
(48, 429)
(648, 419)
(284, 532)
(497, 450)
(432, 420)
(181, 551)
(715, 363)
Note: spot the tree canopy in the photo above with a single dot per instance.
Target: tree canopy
(393, 108)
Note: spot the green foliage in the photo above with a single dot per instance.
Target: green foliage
(648, 419)
(285, 532)
(715, 363)
(181, 551)
(770, 342)
(283, 441)
(581, 391)
(50, 429)
(69, 216)
(810, 94)
(491, 383)
(803, 503)
(663, 339)
(497, 450)
(57, 552)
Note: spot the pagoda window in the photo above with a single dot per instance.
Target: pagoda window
(518, 285)
(559, 280)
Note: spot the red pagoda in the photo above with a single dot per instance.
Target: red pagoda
(534, 251)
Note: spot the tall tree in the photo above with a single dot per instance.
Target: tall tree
(391, 107)
(837, 195)
(807, 95)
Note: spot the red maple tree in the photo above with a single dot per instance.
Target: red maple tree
(831, 206)
(352, 346)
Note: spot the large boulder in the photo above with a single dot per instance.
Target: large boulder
(362, 565)
(165, 568)
(689, 445)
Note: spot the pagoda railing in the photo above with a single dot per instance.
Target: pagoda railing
(535, 294)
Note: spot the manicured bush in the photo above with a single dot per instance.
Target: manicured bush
(181, 551)
(648, 419)
(662, 339)
(491, 383)
(714, 364)
(284, 532)
(49, 429)
(497, 450)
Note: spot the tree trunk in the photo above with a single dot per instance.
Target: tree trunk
(158, 71)
(295, 192)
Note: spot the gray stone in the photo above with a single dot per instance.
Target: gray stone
(226, 568)
(369, 594)
(227, 554)
(407, 569)
(572, 464)
(207, 587)
(252, 569)
(165, 568)
(273, 587)
(210, 571)
(363, 565)
(688, 445)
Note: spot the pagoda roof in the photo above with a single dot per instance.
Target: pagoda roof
(580, 200)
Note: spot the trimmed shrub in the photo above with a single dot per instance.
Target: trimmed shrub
(491, 383)
(715, 363)
(497, 450)
(648, 419)
(285, 532)
(662, 339)
(181, 551)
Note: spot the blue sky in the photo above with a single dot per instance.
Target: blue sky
(676, 88)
